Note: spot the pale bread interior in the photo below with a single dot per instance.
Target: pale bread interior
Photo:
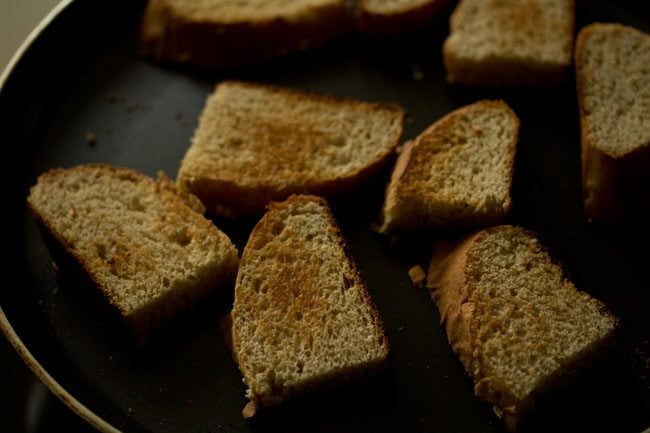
(614, 78)
(302, 316)
(457, 173)
(141, 241)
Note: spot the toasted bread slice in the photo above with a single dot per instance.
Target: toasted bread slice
(510, 42)
(259, 143)
(216, 33)
(457, 174)
(380, 18)
(519, 327)
(302, 318)
(144, 244)
(613, 83)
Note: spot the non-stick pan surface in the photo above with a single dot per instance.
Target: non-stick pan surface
(80, 93)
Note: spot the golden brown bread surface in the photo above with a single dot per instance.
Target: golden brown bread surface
(384, 18)
(509, 42)
(257, 143)
(613, 84)
(215, 33)
(142, 242)
(302, 317)
(456, 174)
(518, 326)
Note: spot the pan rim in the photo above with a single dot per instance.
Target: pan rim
(53, 385)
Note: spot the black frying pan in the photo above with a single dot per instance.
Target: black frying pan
(82, 75)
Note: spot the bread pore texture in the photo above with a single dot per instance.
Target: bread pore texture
(457, 174)
(142, 242)
(518, 326)
(258, 143)
(510, 42)
(613, 83)
(302, 317)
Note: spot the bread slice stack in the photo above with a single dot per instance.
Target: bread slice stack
(518, 326)
(456, 175)
(142, 242)
(613, 82)
(258, 143)
(510, 42)
(218, 33)
(383, 18)
(302, 317)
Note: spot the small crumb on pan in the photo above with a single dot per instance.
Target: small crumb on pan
(417, 275)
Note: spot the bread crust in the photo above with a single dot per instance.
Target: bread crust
(229, 199)
(446, 280)
(168, 34)
(612, 183)
(379, 24)
(391, 205)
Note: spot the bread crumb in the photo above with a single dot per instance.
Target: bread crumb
(91, 138)
(400, 329)
(250, 409)
(417, 275)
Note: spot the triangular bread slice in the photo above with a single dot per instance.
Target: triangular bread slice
(218, 33)
(519, 327)
(258, 143)
(457, 174)
(510, 42)
(302, 317)
(383, 18)
(142, 242)
(613, 83)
